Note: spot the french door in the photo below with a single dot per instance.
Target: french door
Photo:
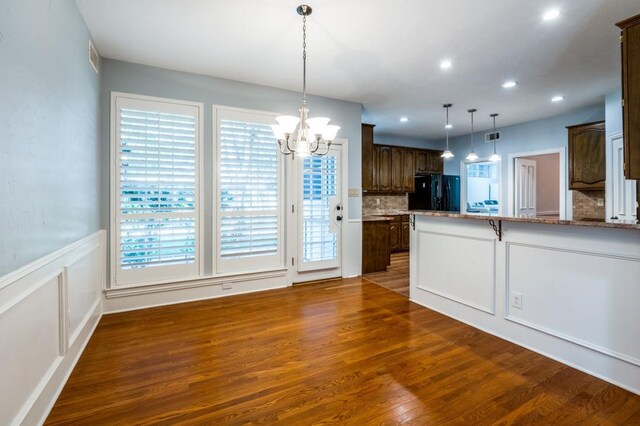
(319, 214)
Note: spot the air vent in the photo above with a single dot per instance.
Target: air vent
(492, 136)
(94, 59)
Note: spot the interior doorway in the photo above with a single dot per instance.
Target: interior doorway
(537, 183)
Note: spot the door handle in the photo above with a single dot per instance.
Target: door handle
(614, 218)
(339, 209)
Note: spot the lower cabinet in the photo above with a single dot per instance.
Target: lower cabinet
(399, 229)
(375, 246)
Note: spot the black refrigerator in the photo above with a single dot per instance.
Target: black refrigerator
(436, 192)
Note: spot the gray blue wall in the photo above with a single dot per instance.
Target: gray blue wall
(49, 148)
(388, 139)
(118, 76)
(613, 112)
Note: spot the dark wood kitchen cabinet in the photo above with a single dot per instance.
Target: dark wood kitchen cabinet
(397, 169)
(375, 246)
(428, 161)
(384, 168)
(368, 160)
(406, 231)
(630, 46)
(587, 166)
(408, 170)
(395, 235)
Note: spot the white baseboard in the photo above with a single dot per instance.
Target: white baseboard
(52, 307)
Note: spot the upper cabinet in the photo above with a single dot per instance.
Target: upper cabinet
(587, 166)
(392, 169)
(630, 43)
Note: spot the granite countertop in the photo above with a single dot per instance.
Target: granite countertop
(386, 213)
(547, 221)
(376, 218)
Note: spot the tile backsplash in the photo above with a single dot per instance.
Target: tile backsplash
(371, 206)
(585, 205)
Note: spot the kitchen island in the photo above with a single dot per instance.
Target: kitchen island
(568, 290)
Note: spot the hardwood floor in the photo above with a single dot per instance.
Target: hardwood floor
(396, 277)
(346, 352)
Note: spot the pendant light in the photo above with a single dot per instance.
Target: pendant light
(472, 155)
(447, 152)
(302, 135)
(494, 157)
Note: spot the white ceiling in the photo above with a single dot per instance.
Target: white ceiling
(385, 54)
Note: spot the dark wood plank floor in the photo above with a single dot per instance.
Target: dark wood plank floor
(396, 277)
(346, 352)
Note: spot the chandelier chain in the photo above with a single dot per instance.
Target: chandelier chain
(304, 59)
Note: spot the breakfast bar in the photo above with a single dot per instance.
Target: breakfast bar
(566, 289)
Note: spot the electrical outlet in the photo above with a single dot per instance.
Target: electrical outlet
(226, 286)
(516, 300)
(600, 202)
(377, 201)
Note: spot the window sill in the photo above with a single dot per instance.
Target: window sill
(219, 279)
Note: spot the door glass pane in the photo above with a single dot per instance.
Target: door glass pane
(320, 189)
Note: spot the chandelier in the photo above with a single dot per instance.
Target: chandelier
(302, 135)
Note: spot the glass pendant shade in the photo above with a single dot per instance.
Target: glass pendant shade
(472, 156)
(277, 131)
(495, 158)
(330, 132)
(447, 154)
(288, 123)
(302, 148)
(317, 125)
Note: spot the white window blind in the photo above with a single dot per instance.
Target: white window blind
(156, 190)
(249, 191)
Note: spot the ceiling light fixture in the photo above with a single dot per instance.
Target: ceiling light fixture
(446, 64)
(550, 15)
(472, 155)
(447, 152)
(557, 99)
(494, 157)
(510, 84)
(310, 133)
(404, 119)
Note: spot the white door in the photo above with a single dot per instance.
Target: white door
(623, 200)
(320, 212)
(525, 187)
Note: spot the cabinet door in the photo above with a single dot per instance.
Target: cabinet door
(587, 166)
(384, 168)
(405, 235)
(630, 46)
(395, 236)
(375, 164)
(422, 161)
(368, 164)
(397, 170)
(409, 166)
(436, 163)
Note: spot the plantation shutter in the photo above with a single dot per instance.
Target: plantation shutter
(156, 190)
(249, 191)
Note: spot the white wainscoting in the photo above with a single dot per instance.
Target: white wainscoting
(580, 288)
(440, 271)
(48, 311)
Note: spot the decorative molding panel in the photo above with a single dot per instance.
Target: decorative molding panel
(51, 303)
(585, 297)
(440, 272)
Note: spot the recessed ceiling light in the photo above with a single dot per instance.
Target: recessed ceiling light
(550, 15)
(404, 119)
(557, 99)
(446, 64)
(509, 84)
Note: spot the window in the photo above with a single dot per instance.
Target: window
(249, 191)
(155, 146)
